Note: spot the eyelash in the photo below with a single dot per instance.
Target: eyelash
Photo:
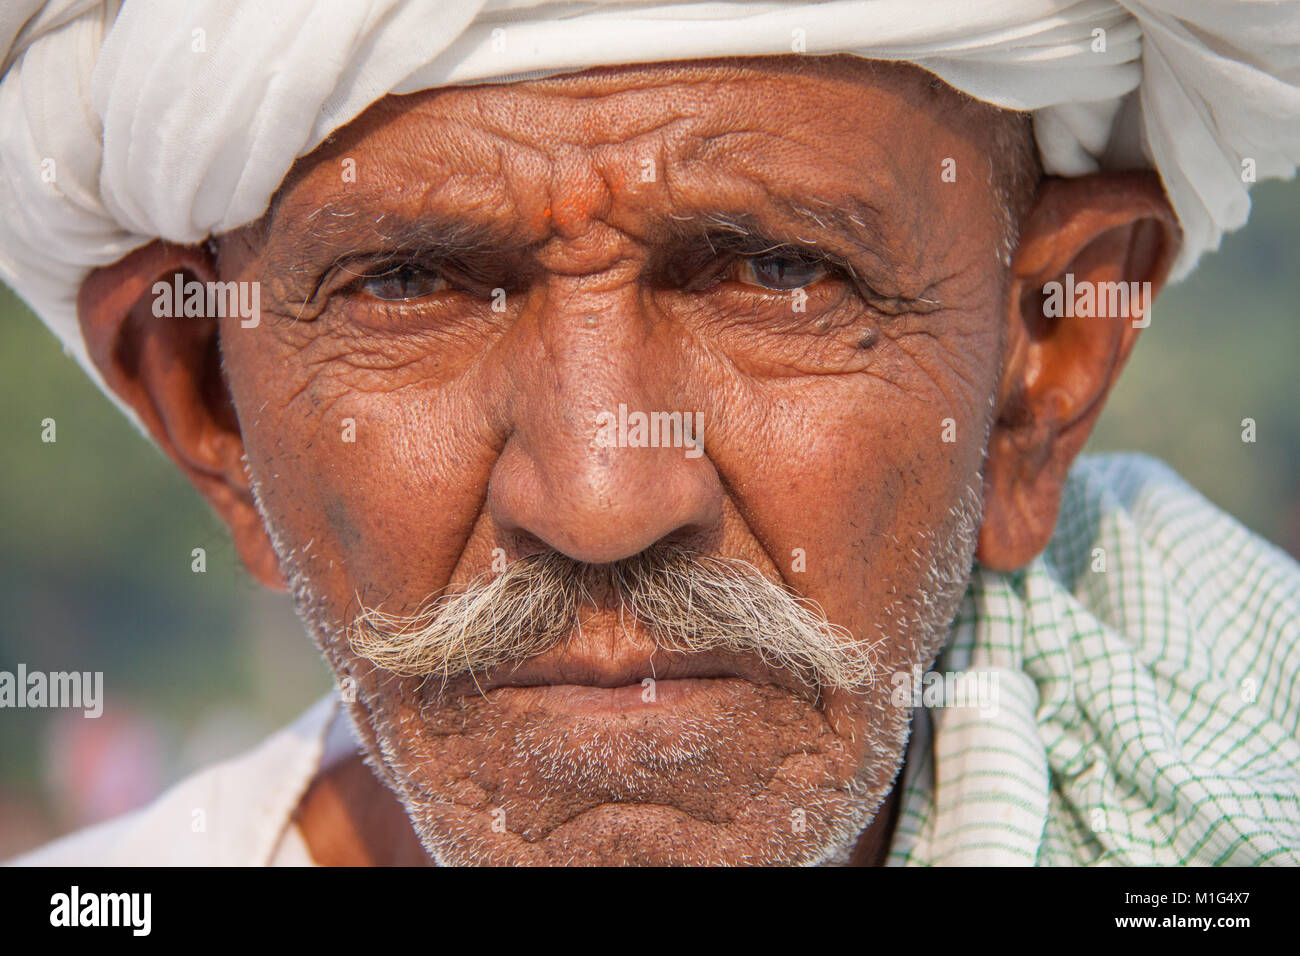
(728, 249)
(833, 266)
(836, 268)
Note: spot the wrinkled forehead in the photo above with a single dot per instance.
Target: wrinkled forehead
(857, 146)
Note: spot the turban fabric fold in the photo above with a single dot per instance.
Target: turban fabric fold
(122, 122)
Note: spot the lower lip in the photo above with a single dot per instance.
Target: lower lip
(641, 699)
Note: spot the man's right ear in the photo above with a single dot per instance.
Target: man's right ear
(167, 368)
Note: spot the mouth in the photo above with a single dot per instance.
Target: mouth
(646, 699)
(585, 676)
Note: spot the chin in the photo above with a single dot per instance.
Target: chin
(640, 834)
(732, 773)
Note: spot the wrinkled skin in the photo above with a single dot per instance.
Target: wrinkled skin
(583, 197)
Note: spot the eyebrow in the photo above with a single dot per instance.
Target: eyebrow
(348, 224)
(350, 227)
(851, 227)
(847, 229)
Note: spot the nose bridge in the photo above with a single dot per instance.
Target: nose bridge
(602, 459)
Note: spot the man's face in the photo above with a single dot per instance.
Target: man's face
(466, 296)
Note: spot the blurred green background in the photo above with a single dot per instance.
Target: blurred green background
(98, 530)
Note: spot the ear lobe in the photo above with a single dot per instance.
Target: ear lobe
(1109, 242)
(168, 370)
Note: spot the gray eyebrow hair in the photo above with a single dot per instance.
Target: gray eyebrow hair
(852, 222)
(339, 220)
(861, 224)
(343, 226)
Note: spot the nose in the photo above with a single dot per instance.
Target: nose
(603, 460)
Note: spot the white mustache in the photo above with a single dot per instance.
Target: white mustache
(686, 602)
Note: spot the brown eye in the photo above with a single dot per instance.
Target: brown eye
(403, 283)
(781, 273)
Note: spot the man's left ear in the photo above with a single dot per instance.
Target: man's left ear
(1066, 344)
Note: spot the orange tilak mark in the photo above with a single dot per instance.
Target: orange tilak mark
(571, 210)
(538, 221)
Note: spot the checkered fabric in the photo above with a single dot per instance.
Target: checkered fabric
(1148, 699)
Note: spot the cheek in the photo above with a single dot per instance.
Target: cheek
(372, 484)
(838, 475)
(849, 483)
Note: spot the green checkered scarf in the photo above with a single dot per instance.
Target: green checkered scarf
(1148, 677)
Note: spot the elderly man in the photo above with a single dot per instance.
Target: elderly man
(666, 417)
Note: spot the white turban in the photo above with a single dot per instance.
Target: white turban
(122, 122)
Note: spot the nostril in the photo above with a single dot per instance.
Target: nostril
(516, 543)
(698, 538)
